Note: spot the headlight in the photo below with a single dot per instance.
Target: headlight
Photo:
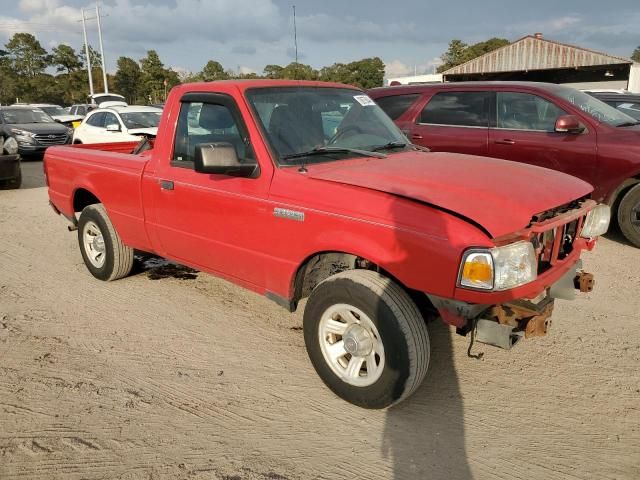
(499, 268)
(23, 136)
(10, 146)
(22, 133)
(597, 222)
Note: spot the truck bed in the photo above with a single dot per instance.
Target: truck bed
(109, 168)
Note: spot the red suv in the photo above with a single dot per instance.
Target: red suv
(543, 124)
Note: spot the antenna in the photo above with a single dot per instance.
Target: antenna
(295, 40)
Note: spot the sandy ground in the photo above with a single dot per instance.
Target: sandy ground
(161, 377)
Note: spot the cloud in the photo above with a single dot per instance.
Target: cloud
(244, 49)
(397, 68)
(329, 29)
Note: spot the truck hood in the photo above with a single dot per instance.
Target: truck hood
(499, 195)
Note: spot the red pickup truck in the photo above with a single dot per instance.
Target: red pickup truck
(307, 189)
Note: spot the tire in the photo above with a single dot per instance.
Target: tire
(106, 257)
(364, 300)
(629, 215)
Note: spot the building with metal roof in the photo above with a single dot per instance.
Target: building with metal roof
(537, 59)
(534, 58)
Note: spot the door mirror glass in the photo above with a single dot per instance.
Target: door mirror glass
(221, 158)
(568, 124)
(113, 127)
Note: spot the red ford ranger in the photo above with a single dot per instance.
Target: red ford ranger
(307, 189)
(544, 124)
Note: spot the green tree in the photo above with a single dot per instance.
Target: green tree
(273, 71)
(454, 55)
(127, 79)
(25, 55)
(299, 71)
(365, 73)
(635, 56)
(459, 52)
(213, 71)
(153, 76)
(94, 56)
(65, 58)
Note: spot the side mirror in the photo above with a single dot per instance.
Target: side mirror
(568, 124)
(221, 158)
(113, 127)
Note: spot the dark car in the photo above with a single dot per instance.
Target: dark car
(628, 103)
(542, 124)
(33, 129)
(10, 172)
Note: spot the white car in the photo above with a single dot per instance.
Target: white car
(118, 124)
(59, 114)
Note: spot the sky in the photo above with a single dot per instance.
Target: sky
(246, 35)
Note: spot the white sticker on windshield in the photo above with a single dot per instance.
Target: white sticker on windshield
(364, 100)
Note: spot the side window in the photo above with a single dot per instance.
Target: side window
(206, 123)
(396, 105)
(110, 119)
(465, 109)
(96, 120)
(525, 111)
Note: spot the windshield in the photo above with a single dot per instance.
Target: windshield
(298, 120)
(592, 106)
(25, 115)
(141, 119)
(55, 110)
(630, 108)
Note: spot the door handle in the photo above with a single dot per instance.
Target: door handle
(416, 136)
(506, 141)
(166, 184)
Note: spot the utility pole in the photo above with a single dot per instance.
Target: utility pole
(86, 52)
(295, 38)
(104, 70)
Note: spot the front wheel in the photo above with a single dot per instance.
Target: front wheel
(366, 338)
(103, 252)
(629, 215)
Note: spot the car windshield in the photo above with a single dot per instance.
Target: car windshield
(327, 123)
(26, 115)
(141, 119)
(54, 110)
(592, 106)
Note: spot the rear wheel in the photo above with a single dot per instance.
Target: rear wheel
(366, 338)
(13, 183)
(629, 215)
(103, 252)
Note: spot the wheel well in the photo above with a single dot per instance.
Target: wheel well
(323, 265)
(83, 198)
(619, 193)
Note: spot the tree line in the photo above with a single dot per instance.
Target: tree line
(30, 73)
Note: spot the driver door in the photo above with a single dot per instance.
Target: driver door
(211, 221)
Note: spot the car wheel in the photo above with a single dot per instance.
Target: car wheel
(366, 338)
(629, 215)
(103, 252)
(13, 183)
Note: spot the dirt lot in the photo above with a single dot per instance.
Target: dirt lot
(167, 375)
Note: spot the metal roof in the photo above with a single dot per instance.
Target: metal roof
(535, 53)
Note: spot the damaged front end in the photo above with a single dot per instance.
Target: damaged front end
(502, 318)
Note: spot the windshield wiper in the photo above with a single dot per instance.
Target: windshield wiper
(325, 150)
(628, 124)
(389, 146)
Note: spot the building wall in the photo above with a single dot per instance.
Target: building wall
(431, 78)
